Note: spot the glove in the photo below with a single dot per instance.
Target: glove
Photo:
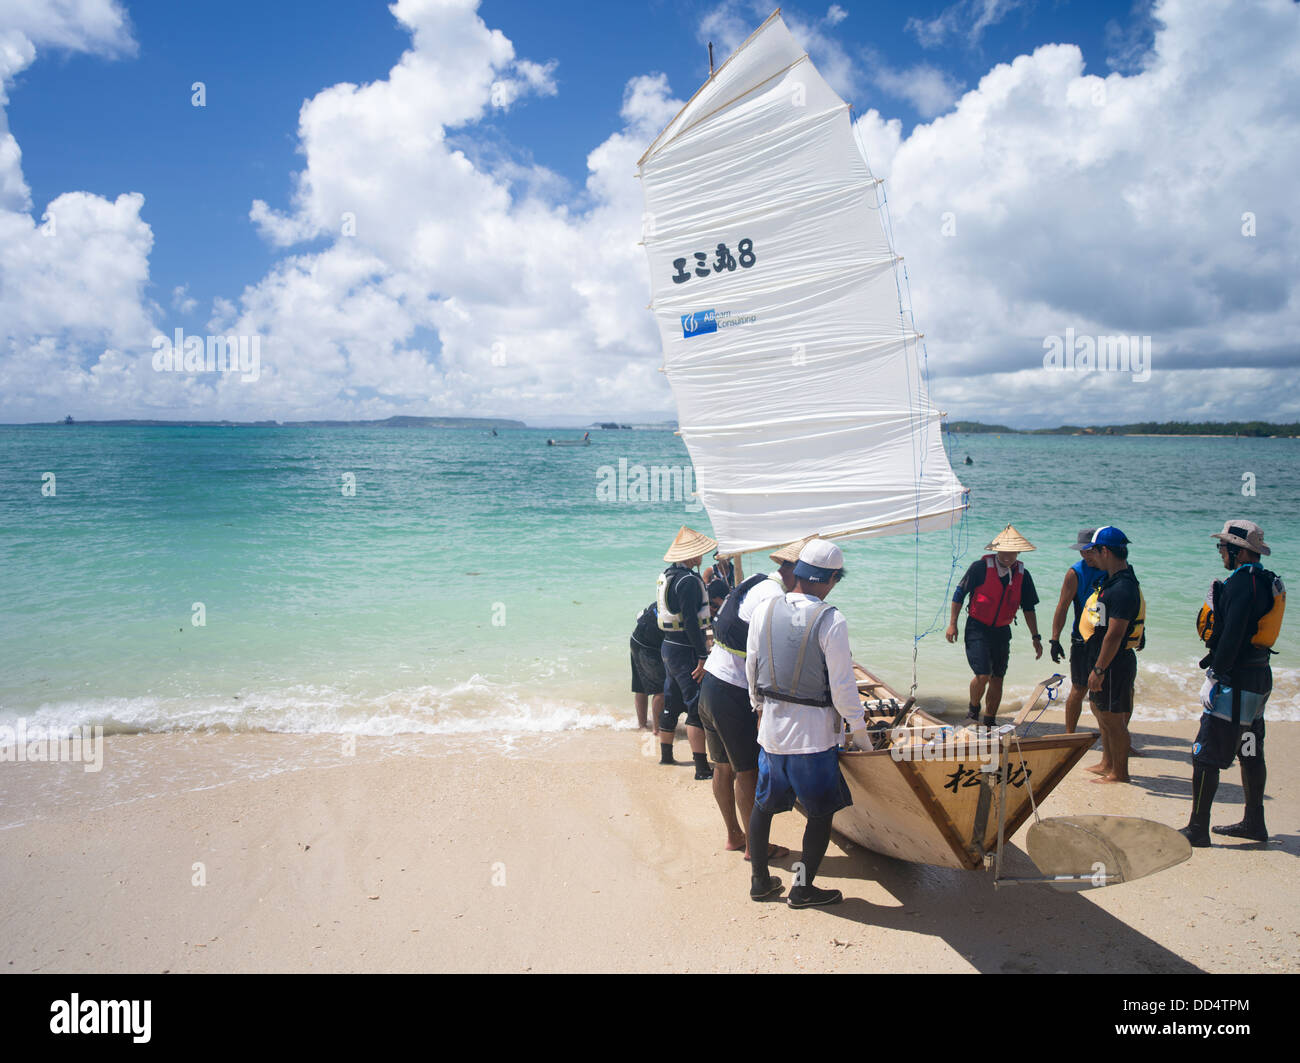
(1058, 654)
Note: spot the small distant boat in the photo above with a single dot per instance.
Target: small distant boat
(585, 441)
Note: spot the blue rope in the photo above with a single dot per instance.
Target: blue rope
(958, 533)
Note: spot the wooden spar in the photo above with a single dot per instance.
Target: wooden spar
(710, 59)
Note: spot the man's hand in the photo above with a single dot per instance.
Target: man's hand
(1058, 654)
(698, 673)
(1038, 648)
(1094, 681)
(951, 633)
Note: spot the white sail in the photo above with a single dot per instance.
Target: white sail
(774, 287)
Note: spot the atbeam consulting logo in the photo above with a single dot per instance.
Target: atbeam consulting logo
(699, 323)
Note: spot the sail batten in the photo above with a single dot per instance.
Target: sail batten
(773, 285)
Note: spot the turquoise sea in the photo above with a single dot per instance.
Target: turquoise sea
(474, 584)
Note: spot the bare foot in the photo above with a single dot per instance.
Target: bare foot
(1099, 769)
(737, 841)
(1110, 778)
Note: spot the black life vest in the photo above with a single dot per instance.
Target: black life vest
(729, 631)
(647, 627)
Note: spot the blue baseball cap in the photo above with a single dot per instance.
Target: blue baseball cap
(1109, 536)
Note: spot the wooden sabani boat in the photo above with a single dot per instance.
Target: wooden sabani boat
(798, 375)
(943, 810)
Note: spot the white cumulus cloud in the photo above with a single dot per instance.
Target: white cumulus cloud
(1155, 205)
(73, 271)
(427, 271)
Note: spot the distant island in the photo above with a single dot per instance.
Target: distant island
(1257, 429)
(387, 422)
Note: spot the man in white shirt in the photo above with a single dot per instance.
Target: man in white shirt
(730, 726)
(801, 681)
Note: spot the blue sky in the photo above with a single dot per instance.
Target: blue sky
(111, 125)
(104, 107)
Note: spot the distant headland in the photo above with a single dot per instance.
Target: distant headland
(387, 422)
(1257, 429)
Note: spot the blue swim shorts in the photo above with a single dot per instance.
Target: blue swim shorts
(813, 778)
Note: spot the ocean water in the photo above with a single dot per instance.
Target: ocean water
(480, 585)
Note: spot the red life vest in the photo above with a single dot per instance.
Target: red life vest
(993, 602)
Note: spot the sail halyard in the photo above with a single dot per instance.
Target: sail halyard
(774, 286)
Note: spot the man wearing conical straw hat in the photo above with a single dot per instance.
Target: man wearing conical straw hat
(683, 614)
(998, 585)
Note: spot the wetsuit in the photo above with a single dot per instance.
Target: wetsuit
(1238, 681)
(683, 650)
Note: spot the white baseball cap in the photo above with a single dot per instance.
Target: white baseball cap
(818, 561)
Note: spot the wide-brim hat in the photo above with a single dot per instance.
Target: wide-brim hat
(1084, 541)
(1011, 541)
(1244, 533)
(790, 552)
(688, 544)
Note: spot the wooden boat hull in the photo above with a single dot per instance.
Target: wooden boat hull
(943, 810)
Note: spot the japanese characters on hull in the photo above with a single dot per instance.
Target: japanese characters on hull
(965, 776)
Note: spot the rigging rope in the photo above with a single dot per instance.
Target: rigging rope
(958, 532)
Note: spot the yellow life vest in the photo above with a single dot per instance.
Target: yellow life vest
(1093, 615)
(1205, 618)
(1269, 626)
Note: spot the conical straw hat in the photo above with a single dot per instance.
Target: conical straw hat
(688, 544)
(790, 552)
(1010, 540)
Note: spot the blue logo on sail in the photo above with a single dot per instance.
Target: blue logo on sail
(699, 323)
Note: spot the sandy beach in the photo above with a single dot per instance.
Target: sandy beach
(576, 853)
